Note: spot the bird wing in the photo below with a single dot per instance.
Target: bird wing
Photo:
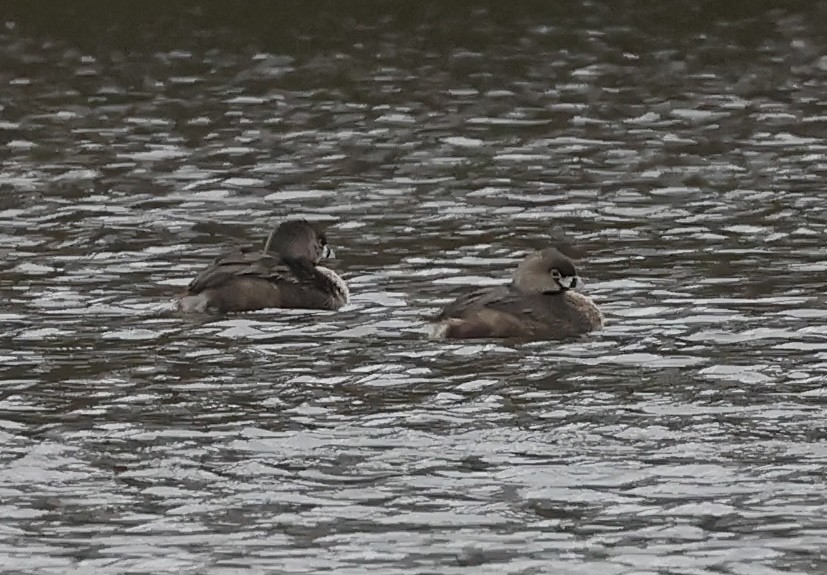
(242, 263)
(499, 298)
(539, 308)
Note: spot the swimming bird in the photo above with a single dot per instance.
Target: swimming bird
(285, 274)
(538, 304)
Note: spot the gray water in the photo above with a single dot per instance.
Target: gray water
(679, 151)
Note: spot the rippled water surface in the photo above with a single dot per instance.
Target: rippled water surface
(680, 154)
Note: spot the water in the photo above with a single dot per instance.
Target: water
(679, 153)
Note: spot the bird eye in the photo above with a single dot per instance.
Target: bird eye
(556, 274)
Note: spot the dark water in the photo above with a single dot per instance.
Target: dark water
(679, 150)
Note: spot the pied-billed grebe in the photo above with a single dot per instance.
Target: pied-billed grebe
(538, 304)
(283, 275)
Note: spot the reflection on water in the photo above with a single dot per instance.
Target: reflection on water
(680, 155)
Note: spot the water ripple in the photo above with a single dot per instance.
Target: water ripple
(681, 163)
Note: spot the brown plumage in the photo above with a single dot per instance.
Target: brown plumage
(538, 304)
(284, 275)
